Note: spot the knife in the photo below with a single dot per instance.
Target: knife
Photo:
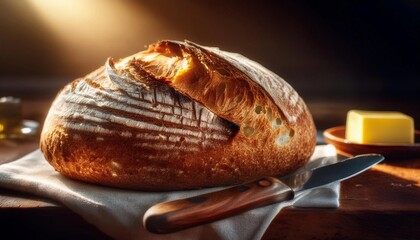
(180, 214)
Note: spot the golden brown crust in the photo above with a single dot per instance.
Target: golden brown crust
(178, 116)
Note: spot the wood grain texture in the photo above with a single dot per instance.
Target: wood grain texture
(180, 214)
(377, 204)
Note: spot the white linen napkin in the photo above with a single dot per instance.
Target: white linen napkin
(119, 213)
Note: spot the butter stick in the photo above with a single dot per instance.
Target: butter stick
(379, 127)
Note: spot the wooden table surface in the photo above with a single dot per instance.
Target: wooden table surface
(381, 203)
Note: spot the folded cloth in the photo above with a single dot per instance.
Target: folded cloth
(119, 213)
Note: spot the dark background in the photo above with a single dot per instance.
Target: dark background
(338, 55)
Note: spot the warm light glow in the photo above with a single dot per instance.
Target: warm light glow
(92, 30)
(1, 127)
(184, 67)
(410, 174)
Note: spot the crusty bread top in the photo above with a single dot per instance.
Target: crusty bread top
(230, 85)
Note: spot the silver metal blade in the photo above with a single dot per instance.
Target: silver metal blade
(331, 173)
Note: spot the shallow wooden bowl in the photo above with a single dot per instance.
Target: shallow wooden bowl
(336, 137)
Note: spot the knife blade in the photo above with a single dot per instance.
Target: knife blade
(180, 214)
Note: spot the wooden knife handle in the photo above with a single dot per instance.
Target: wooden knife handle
(180, 214)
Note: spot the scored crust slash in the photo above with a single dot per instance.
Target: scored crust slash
(177, 116)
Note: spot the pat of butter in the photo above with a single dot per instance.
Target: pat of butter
(379, 127)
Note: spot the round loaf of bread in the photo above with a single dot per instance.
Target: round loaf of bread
(177, 116)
